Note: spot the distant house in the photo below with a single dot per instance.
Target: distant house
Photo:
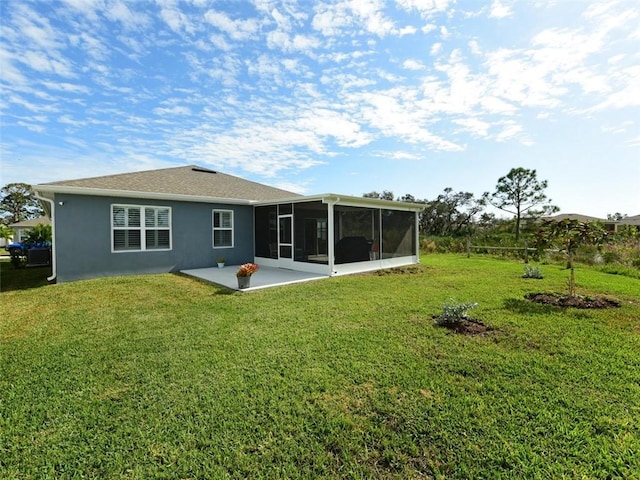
(609, 225)
(21, 229)
(182, 218)
(633, 221)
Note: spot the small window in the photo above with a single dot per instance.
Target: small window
(222, 228)
(129, 233)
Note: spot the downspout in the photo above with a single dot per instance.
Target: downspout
(331, 202)
(53, 235)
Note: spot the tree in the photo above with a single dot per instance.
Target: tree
(616, 217)
(18, 202)
(568, 235)
(5, 232)
(450, 213)
(385, 195)
(518, 192)
(40, 233)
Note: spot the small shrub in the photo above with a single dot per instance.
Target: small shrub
(454, 312)
(532, 272)
(428, 246)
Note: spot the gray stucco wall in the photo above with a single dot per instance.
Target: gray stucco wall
(83, 238)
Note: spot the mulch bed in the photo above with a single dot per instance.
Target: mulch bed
(576, 301)
(468, 326)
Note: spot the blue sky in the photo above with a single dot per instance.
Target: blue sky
(411, 96)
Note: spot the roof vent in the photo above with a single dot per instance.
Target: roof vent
(203, 170)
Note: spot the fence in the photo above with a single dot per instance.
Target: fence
(525, 249)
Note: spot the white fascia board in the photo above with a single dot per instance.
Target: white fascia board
(351, 201)
(101, 192)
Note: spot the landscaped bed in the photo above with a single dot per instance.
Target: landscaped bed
(163, 376)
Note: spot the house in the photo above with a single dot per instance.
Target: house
(21, 229)
(609, 225)
(181, 218)
(633, 221)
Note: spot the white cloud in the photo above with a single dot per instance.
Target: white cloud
(171, 111)
(500, 10)
(430, 27)
(220, 42)
(120, 12)
(408, 30)
(398, 113)
(174, 18)
(329, 123)
(426, 8)
(10, 73)
(475, 126)
(330, 19)
(88, 8)
(35, 29)
(67, 87)
(627, 93)
(32, 127)
(235, 29)
(413, 65)
(510, 131)
(402, 155)
(41, 62)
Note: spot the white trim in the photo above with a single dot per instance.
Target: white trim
(142, 228)
(325, 197)
(101, 192)
(286, 262)
(358, 267)
(331, 235)
(213, 228)
(334, 198)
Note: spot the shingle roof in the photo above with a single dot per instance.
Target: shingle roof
(31, 222)
(634, 220)
(577, 216)
(189, 180)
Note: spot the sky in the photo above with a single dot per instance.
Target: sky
(410, 96)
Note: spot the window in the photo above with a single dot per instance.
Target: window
(222, 228)
(137, 228)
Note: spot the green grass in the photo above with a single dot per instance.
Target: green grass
(162, 376)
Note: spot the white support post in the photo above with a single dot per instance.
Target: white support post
(331, 235)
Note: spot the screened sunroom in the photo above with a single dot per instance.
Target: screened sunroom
(336, 235)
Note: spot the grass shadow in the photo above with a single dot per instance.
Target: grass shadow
(525, 307)
(12, 278)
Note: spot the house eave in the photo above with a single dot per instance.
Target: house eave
(100, 192)
(336, 198)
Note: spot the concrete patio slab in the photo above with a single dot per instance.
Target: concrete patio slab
(266, 277)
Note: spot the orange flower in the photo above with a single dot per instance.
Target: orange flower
(247, 269)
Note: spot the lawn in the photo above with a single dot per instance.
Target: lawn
(163, 376)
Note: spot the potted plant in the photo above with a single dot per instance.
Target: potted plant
(244, 274)
(221, 261)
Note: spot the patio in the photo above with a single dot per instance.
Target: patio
(266, 277)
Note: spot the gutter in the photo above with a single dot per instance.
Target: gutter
(51, 210)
